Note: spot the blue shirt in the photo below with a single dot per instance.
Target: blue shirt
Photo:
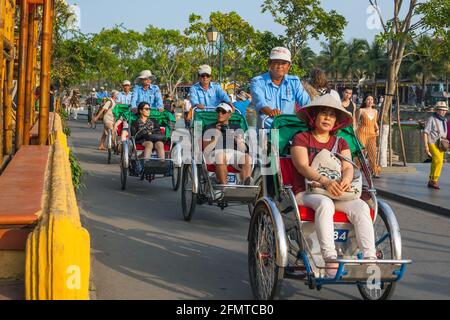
(209, 98)
(152, 96)
(124, 98)
(284, 97)
(101, 95)
(242, 106)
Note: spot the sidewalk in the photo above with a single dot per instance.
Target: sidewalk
(411, 189)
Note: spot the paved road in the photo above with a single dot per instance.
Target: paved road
(143, 249)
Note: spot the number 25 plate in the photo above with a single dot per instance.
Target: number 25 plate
(231, 179)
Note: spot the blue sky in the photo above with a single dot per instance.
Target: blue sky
(173, 14)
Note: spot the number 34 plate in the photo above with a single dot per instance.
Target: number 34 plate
(341, 235)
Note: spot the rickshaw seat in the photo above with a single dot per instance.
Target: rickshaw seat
(307, 214)
(230, 169)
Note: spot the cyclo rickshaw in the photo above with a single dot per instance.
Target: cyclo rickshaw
(282, 237)
(113, 143)
(197, 187)
(149, 169)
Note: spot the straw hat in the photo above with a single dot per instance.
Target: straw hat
(441, 105)
(327, 100)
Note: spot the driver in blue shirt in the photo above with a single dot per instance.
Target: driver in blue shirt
(207, 93)
(276, 92)
(145, 91)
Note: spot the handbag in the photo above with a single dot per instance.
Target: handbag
(329, 164)
(442, 143)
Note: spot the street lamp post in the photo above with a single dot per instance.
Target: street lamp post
(216, 39)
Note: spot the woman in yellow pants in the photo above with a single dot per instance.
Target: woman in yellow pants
(436, 128)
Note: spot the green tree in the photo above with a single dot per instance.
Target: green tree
(167, 51)
(304, 20)
(356, 66)
(334, 58)
(376, 63)
(418, 18)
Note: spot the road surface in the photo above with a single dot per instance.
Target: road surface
(143, 249)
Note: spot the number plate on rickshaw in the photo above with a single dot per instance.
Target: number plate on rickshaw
(341, 235)
(232, 179)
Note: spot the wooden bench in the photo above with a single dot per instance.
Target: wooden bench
(21, 198)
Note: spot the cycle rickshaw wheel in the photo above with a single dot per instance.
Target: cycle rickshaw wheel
(257, 178)
(176, 178)
(384, 251)
(265, 276)
(123, 172)
(188, 198)
(109, 144)
(109, 155)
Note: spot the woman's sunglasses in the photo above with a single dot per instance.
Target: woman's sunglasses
(146, 109)
(205, 75)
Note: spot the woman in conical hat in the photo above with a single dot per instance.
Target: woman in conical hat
(324, 117)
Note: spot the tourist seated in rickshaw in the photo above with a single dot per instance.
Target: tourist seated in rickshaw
(324, 116)
(147, 132)
(224, 146)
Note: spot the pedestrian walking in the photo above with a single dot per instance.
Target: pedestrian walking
(436, 143)
(348, 104)
(368, 131)
(187, 114)
(318, 80)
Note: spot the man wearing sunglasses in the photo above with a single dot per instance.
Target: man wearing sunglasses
(276, 92)
(207, 93)
(224, 144)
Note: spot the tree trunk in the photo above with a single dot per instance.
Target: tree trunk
(424, 89)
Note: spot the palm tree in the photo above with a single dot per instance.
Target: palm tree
(334, 58)
(357, 50)
(376, 62)
(423, 65)
(307, 59)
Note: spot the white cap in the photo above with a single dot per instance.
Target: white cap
(102, 88)
(146, 74)
(114, 93)
(126, 83)
(93, 89)
(280, 53)
(225, 106)
(204, 69)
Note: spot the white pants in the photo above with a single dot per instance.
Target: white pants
(358, 212)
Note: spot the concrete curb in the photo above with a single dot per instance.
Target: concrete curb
(409, 201)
